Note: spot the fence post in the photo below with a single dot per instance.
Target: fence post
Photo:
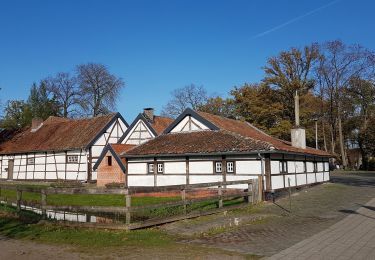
(290, 193)
(249, 192)
(19, 198)
(183, 197)
(127, 206)
(260, 188)
(43, 203)
(253, 191)
(220, 193)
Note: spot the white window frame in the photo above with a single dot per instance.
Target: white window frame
(160, 167)
(72, 158)
(218, 167)
(230, 169)
(150, 168)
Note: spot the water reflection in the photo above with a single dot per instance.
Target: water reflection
(102, 218)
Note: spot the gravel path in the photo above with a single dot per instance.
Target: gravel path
(20, 250)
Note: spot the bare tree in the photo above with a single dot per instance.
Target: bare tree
(98, 88)
(189, 96)
(340, 64)
(65, 90)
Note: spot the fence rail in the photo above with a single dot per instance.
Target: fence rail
(252, 194)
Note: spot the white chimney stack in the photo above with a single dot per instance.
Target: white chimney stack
(298, 132)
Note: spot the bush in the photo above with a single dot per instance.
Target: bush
(115, 185)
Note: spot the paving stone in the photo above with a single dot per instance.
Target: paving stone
(359, 239)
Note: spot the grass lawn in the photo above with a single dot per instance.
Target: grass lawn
(138, 244)
(116, 200)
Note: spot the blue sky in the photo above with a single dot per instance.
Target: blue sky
(157, 46)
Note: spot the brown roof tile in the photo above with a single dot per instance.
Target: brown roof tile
(122, 148)
(198, 142)
(247, 130)
(161, 123)
(233, 136)
(57, 134)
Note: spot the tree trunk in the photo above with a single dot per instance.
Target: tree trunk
(341, 140)
(324, 137)
(333, 144)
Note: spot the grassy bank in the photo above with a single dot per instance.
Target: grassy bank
(137, 244)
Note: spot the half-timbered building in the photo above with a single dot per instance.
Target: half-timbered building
(59, 148)
(145, 126)
(200, 147)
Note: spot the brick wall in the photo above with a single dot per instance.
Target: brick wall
(109, 174)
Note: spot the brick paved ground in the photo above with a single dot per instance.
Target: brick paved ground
(313, 210)
(350, 238)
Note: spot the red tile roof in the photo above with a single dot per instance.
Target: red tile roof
(198, 142)
(57, 134)
(122, 148)
(161, 123)
(247, 130)
(232, 136)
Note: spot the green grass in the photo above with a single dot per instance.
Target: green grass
(12, 227)
(86, 199)
(117, 200)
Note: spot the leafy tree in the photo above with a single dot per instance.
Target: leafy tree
(219, 106)
(17, 115)
(291, 72)
(189, 96)
(41, 105)
(261, 105)
(98, 88)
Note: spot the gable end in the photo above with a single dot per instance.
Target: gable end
(193, 114)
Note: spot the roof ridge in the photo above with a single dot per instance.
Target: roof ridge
(270, 145)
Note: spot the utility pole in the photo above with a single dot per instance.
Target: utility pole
(316, 134)
(296, 108)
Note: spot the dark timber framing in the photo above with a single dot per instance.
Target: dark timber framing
(191, 113)
(107, 149)
(134, 123)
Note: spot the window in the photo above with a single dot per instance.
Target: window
(160, 167)
(283, 167)
(218, 167)
(230, 167)
(150, 168)
(30, 160)
(109, 160)
(72, 158)
(315, 167)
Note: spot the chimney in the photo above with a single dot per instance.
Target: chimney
(298, 133)
(149, 113)
(36, 123)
